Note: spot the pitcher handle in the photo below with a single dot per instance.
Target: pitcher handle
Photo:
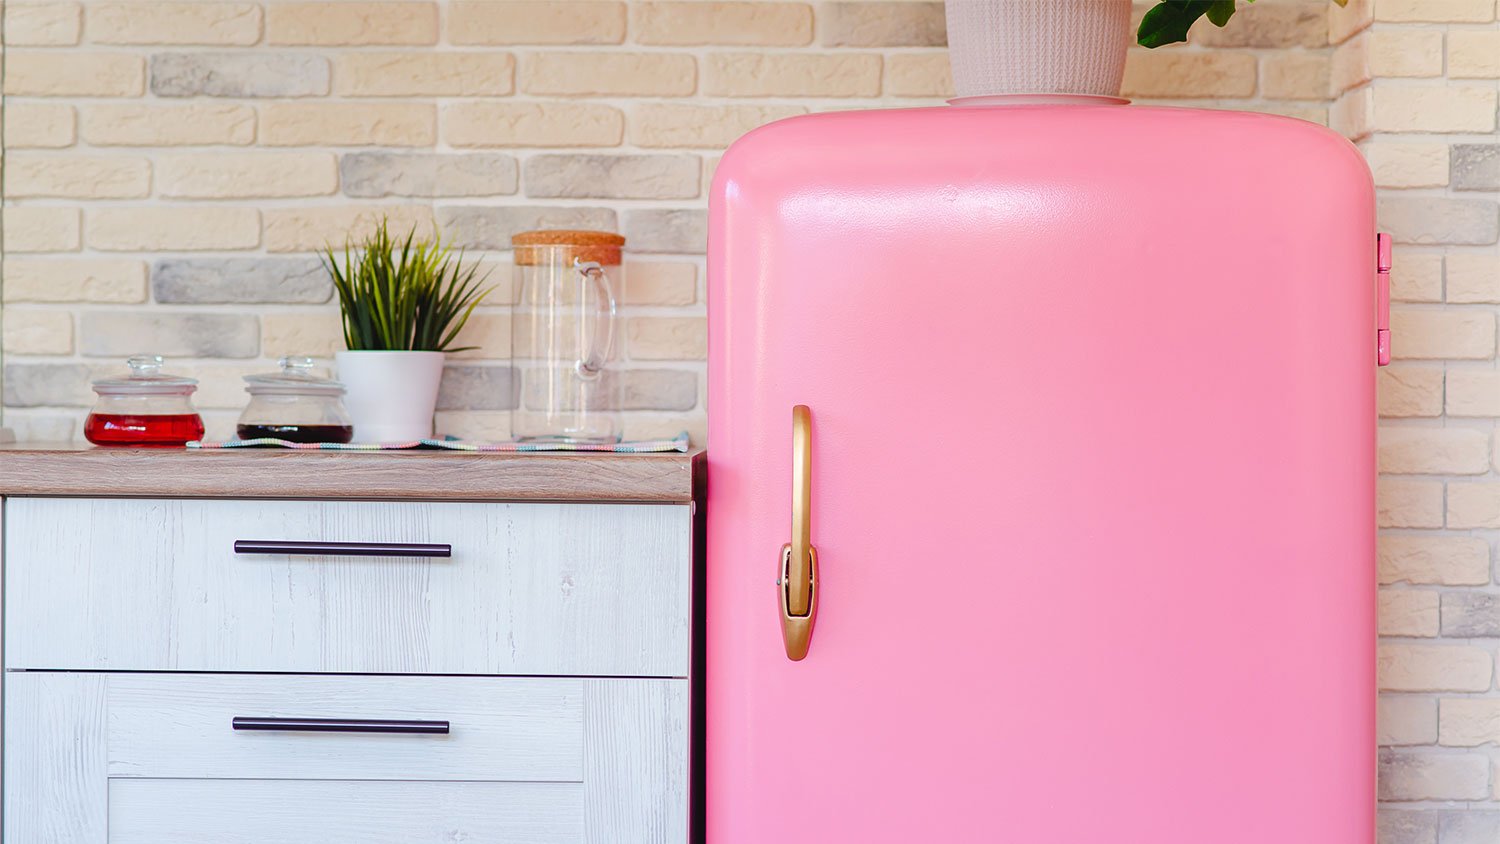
(591, 364)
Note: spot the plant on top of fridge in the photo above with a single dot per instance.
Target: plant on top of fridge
(1169, 21)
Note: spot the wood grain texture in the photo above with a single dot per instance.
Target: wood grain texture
(55, 759)
(636, 761)
(501, 728)
(147, 811)
(541, 589)
(31, 469)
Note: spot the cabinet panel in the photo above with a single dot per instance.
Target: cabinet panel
(538, 589)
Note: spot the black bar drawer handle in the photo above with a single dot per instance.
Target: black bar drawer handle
(343, 549)
(341, 725)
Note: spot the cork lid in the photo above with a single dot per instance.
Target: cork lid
(600, 247)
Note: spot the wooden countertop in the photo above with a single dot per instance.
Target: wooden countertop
(85, 470)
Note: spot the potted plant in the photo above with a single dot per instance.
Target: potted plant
(403, 305)
(1168, 21)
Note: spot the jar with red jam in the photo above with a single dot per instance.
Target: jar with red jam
(147, 407)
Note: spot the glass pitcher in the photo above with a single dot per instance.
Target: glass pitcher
(562, 335)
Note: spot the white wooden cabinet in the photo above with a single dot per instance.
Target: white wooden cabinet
(553, 644)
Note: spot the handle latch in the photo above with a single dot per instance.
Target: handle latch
(797, 584)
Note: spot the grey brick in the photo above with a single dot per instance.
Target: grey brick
(119, 334)
(1417, 775)
(1429, 219)
(1468, 827)
(48, 385)
(613, 176)
(468, 387)
(250, 74)
(422, 174)
(486, 227)
(235, 281)
(1394, 826)
(666, 230)
(631, 389)
(1466, 614)
(883, 24)
(1475, 166)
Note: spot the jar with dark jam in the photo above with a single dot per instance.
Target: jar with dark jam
(145, 408)
(295, 405)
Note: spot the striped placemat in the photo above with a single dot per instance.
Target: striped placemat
(677, 443)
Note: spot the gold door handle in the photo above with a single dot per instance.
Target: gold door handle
(798, 583)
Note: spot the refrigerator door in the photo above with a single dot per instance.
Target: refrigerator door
(1091, 403)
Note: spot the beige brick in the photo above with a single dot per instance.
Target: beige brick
(1299, 109)
(480, 425)
(667, 338)
(136, 125)
(33, 229)
(532, 125)
(174, 22)
(173, 227)
(1474, 505)
(315, 229)
(1347, 20)
(657, 426)
(247, 175)
(882, 24)
(1398, 165)
(1409, 391)
(1406, 720)
(1433, 668)
(699, 22)
(425, 74)
(36, 332)
(1408, 612)
(1434, 11)
(39, 126)
(1439, 559)
(1170, 74)
(50, 23)
(1351, 112)
(1473, 393)
(489, 332)
(1295, 76)
(701, 126)
(507, 22)
(1350, 65)
(351, 23)
(319, 334)
(660, 283)
(791, 75)
(74, 74)
(1469, 722)
(78, 176)
(1407, 503)
(1426, 108)
(1414, 775)
(1473, 278)
(1433, 451)
(1405, 52)
(1269, 26)
(918, 75)
(1430, 334)
(1416, 276)
(609, 74)
(1474, 54)
(68, 280)
(348, 124)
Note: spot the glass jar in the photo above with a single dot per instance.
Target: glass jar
(562, 335)
(295, 405)
(145, 408)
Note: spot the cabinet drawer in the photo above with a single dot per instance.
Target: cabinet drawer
(536, 589)
(133, 758)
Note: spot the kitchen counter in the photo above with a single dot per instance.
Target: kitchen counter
(85, 470)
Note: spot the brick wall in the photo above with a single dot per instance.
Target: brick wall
(172, 167)
(1417, 84)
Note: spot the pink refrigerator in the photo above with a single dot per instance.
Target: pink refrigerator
(1041, 479)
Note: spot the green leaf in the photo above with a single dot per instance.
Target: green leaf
(1220, 12)
(1170, 20)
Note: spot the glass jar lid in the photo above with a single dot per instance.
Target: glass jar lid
(146, 379)
(296, 378)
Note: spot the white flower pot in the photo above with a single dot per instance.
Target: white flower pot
(1037, 48)
(392, 395)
